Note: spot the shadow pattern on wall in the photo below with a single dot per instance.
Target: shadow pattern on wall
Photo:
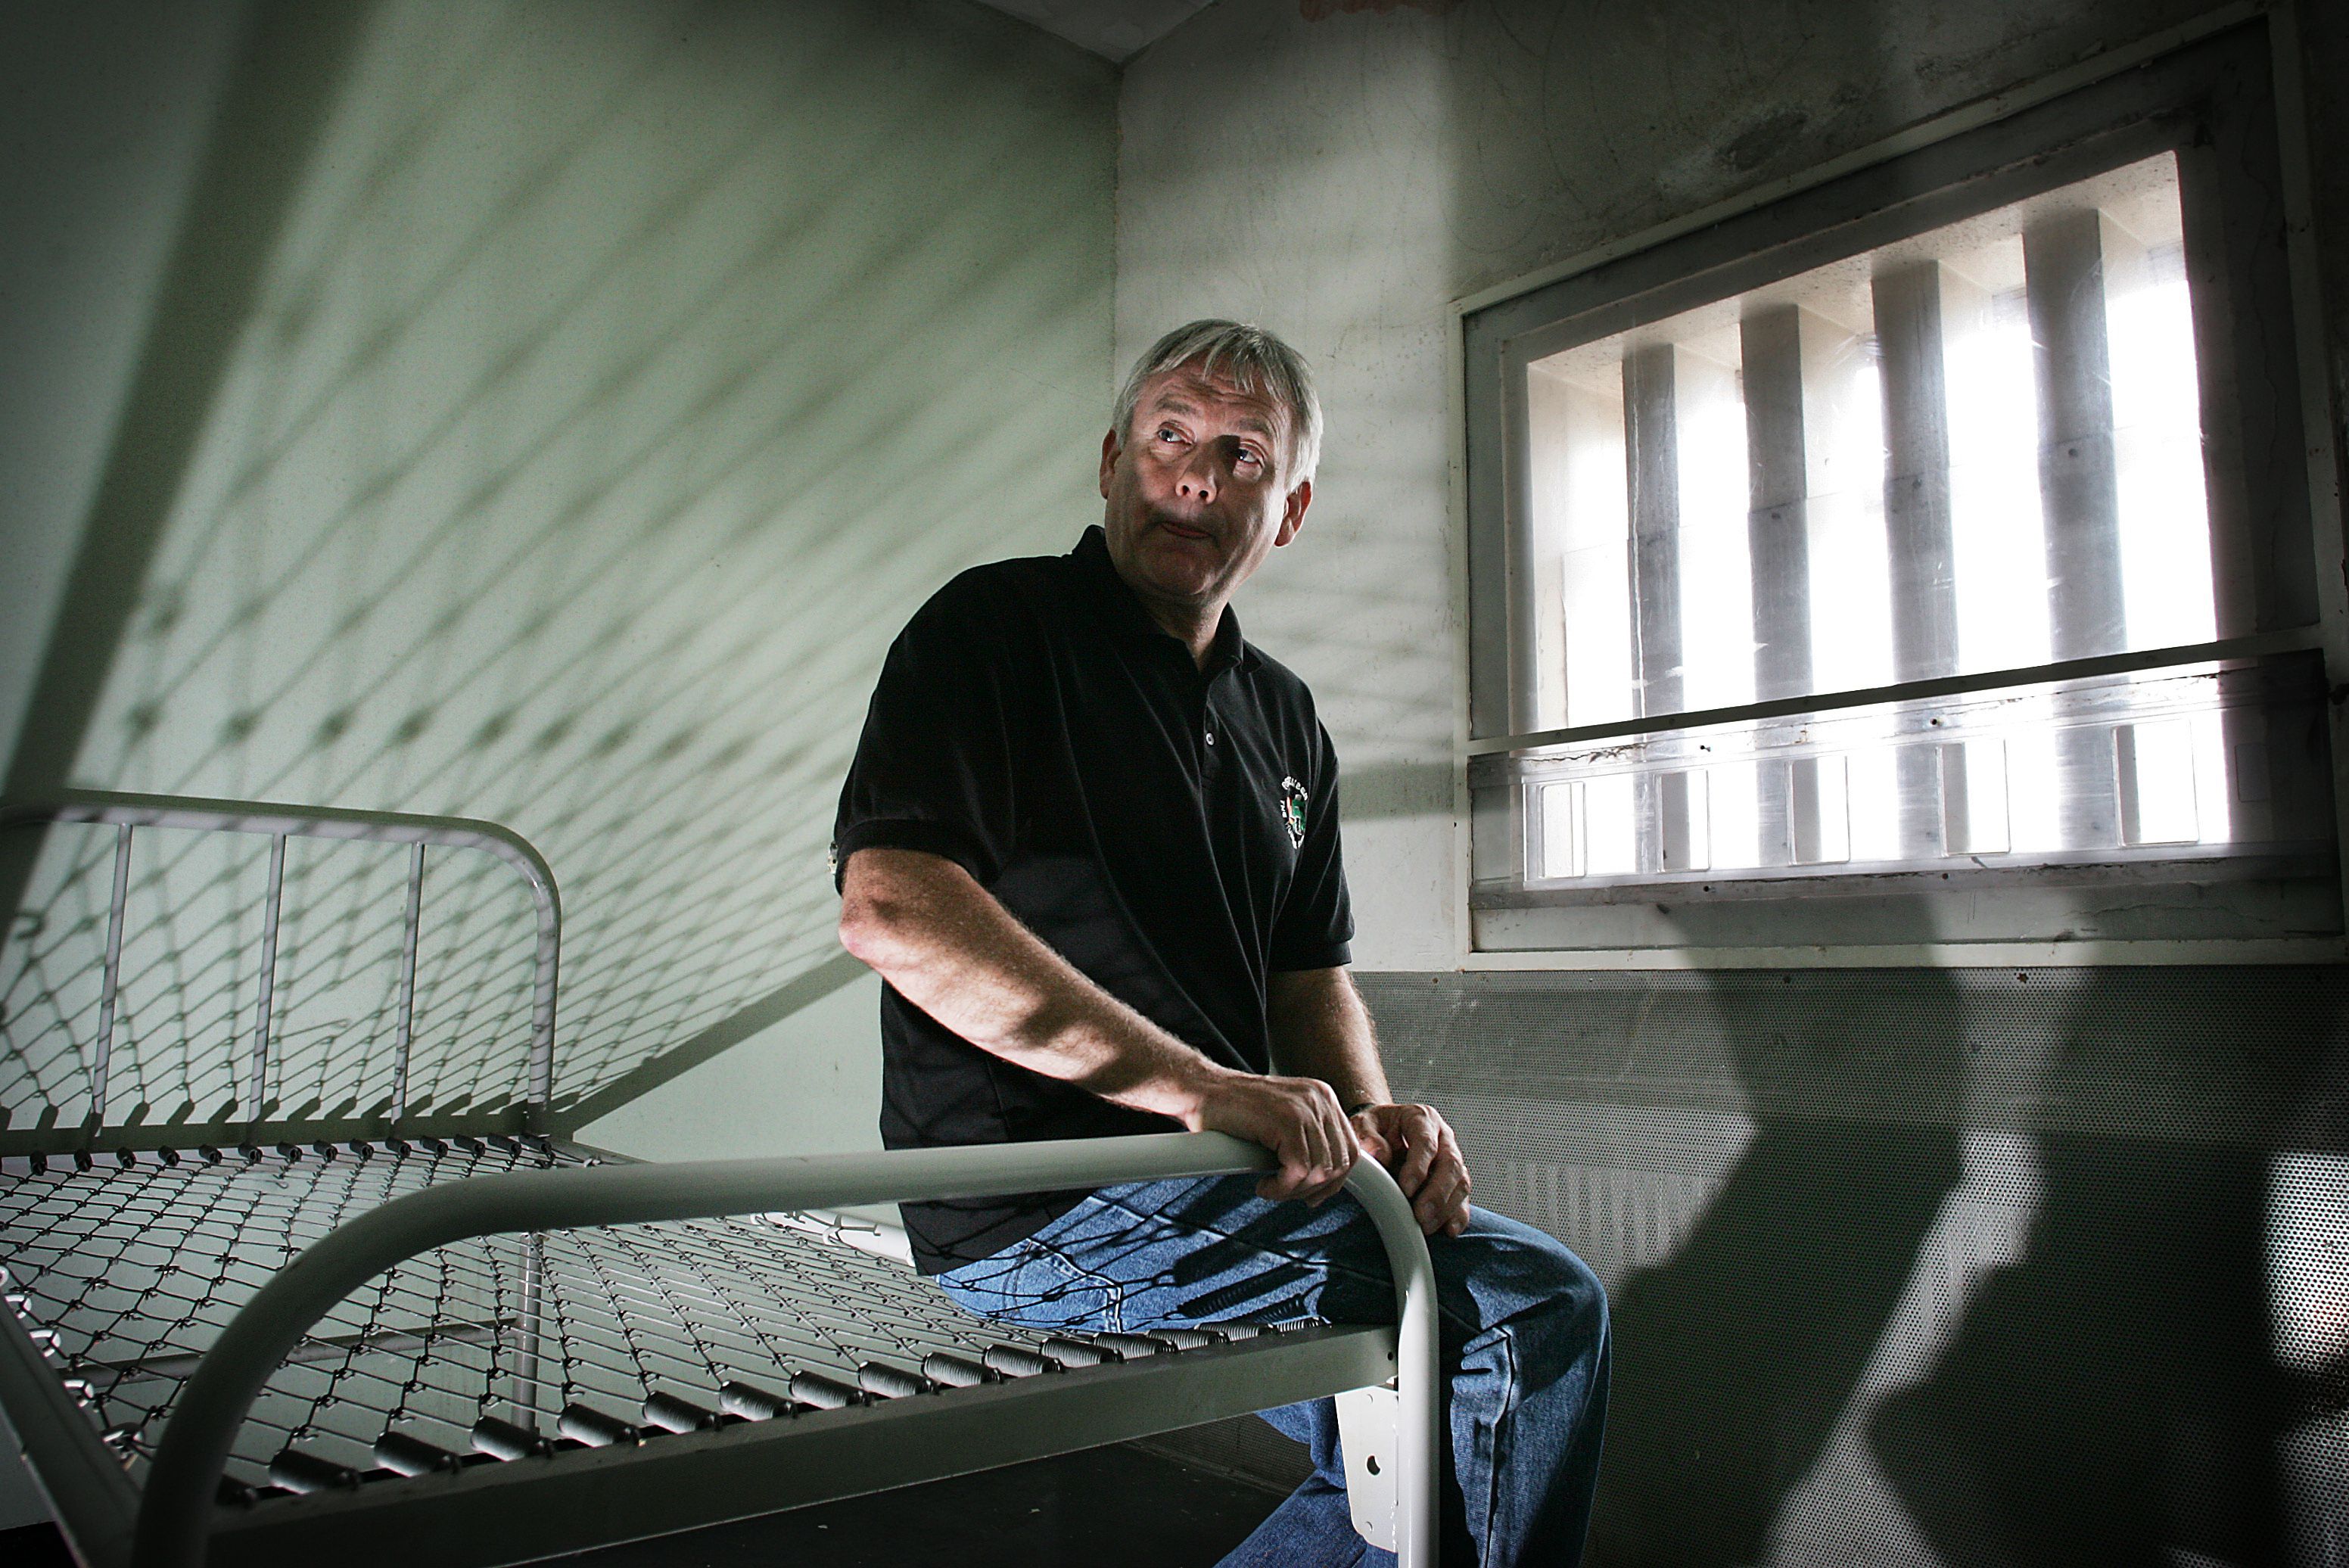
(549, 418)
(1970, 1267)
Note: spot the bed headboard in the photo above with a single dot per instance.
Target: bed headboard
(184, 972)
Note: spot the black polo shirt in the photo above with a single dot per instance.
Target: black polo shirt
(1170, 830)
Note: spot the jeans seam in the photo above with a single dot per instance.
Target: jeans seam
(1035, 1250)
(1113, 1292)
(1505, 1422)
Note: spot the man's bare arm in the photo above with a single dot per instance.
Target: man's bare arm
(1320, 1029)
(928, 927)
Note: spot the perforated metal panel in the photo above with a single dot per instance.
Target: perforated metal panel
(1933, 1267)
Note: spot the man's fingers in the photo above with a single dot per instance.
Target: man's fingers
(1309, 1134)
(1334, 1165)
(1301, 1164)
(1423, 1141)
(1443, 1200)
(1442, 1203)
(1293, 1148)
(1332, 1182)
(1459, 1221)
(1336, 1137)
(1307, 1157)
(1333, 1148)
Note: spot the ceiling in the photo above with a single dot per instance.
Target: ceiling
(1114, 29)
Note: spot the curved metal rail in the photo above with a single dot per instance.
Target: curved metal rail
(281, 822)
(176, 1512)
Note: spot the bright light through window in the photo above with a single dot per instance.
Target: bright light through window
(1977, 449)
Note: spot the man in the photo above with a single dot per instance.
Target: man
(1089, 841)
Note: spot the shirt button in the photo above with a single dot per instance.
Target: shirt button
(1211, 737)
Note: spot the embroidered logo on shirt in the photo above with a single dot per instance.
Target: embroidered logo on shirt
(1292, 811)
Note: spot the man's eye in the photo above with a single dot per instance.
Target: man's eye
(1249, 457)
(1169, 433)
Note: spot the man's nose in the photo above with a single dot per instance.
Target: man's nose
(1196, 482)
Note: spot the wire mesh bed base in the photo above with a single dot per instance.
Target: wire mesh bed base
(422, 1324)
(729, 1367)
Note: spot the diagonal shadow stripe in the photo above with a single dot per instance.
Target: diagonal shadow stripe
(292, 58)
(801, 992)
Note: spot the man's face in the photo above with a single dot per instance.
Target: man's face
(1197, 490)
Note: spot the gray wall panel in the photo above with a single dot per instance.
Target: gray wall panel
(1911, 1267)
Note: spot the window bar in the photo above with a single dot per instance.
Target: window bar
(109, 997)
(1917, 521)
(2064, 273)
(1652, 458)
(1777, 531)
(268, 973)
(1536, 623)
(404, 1023)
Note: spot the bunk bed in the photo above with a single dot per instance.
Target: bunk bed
(399, 1331)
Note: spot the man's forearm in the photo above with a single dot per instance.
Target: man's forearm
(1320, 1029)
(953, 951)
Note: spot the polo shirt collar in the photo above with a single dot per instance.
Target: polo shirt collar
(1122, 610)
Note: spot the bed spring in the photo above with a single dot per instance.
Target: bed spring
(401, 1329)
(243, 1302)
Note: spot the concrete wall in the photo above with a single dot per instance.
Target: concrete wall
(1342, 179)
(1833, 1316)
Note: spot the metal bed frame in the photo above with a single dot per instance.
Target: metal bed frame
(242, 1337)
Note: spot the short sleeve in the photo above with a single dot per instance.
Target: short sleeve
(1315, 927)
(933, 768)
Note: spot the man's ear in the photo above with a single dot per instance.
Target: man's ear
(1292, 512)
(1111, 447)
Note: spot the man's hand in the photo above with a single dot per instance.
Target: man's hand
(953, 951)
(1299, 1119)
(1416, 1146)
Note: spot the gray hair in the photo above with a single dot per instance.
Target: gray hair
(1248, 357)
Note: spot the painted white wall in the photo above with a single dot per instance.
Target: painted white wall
(102, 143)
(618, 381)
(808, 1084)
(608, 388)
(1341, 180)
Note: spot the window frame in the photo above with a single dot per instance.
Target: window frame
(2224, 88)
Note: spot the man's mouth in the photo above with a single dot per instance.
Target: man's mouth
(1189, 532)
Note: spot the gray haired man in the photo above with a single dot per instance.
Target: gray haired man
(1091, 843)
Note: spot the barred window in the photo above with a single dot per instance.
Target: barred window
(1950, 550)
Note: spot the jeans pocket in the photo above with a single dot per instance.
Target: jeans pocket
(1033, 1285)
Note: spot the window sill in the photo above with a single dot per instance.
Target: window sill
(2202, 866)
(2245, 909)
(1924, 955)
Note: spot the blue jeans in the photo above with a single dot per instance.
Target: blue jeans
(1521, 1323)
